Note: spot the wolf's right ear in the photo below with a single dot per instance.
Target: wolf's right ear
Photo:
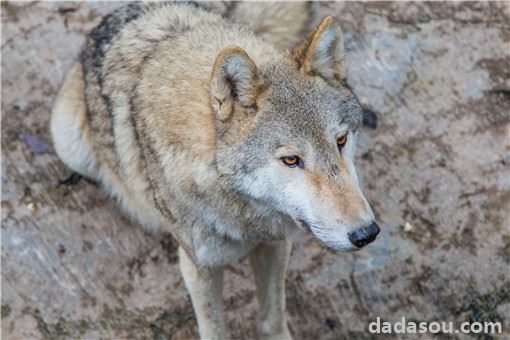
(235, 81)
(322, 53)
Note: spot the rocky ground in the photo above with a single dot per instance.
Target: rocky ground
(436, 171)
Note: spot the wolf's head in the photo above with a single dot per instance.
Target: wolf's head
(286, 134)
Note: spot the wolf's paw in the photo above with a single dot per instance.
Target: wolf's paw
(281, 336)
(271, 333)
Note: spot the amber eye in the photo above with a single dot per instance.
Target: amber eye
(341, 141)
(292, 161)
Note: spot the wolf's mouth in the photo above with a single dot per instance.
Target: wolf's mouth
(307, 228)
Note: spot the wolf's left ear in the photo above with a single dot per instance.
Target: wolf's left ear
(235, 81)
(322, 53)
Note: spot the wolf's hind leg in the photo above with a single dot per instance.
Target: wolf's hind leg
(205, 286)
(269, 262)
(69, 126)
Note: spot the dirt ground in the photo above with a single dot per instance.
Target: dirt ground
(436, 170)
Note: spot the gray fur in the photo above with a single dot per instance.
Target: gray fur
(185, 116)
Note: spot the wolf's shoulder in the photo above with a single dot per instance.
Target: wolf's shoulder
(108, 31)
(101, 36)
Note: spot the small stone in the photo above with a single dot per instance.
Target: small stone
(330, 323)
(36, 144)
(32, 207)
(408, 227)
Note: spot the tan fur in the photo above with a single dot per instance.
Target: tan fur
(246, 78)
(179, 114)
(284, 32)
(205, 286)
(312, 56)
(345, 198)
(69, 124)
(269, 263)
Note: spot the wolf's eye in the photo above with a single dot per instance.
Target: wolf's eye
(292, 161)
(341, 142)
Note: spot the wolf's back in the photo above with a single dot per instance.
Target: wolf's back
(281, 23)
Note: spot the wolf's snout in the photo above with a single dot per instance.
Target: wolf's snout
(363, 236)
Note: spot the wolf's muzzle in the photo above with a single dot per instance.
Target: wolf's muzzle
(363, 236)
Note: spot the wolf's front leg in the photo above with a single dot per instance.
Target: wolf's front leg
(269, 262)
(205, 286)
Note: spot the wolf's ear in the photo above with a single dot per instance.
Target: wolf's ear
(235, 81)
(322, 53)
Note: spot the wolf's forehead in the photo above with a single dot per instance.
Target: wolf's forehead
(309, 102)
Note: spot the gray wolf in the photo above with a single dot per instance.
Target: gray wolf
(202, 128)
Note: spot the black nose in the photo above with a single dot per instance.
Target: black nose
(363, 236)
